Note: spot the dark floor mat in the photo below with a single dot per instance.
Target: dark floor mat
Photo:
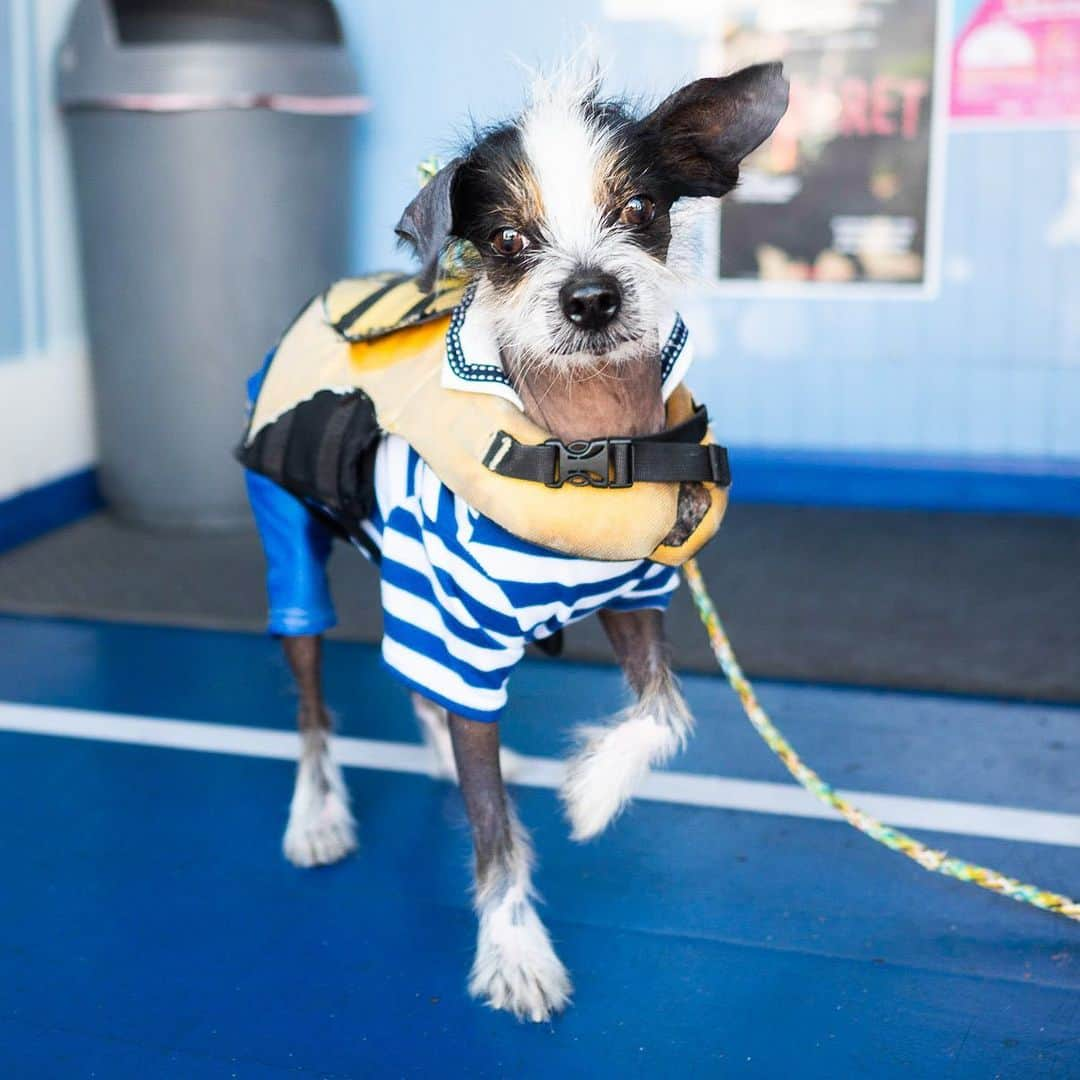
(907, 599)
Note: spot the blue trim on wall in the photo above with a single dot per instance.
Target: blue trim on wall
(806, 477)
(32, 513)
(827, 478)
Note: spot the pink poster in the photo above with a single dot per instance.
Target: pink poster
(1018, 62)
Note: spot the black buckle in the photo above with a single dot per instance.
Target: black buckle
(590, 463)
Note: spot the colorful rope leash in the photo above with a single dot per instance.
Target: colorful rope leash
(927, 858)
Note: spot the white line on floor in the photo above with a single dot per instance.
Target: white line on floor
(685, 789)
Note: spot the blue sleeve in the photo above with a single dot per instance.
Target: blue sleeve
(297, 546)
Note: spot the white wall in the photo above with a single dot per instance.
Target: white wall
(46, 427)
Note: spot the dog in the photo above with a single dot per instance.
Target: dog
(569, 217)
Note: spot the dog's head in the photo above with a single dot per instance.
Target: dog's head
(569, 207)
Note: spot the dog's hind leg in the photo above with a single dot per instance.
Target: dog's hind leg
(516, 968)
(321, 829)
(434, 721)
(612, 759)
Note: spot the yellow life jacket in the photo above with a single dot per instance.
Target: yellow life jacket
(366, 358)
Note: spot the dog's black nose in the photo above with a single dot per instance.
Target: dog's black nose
(591, 302)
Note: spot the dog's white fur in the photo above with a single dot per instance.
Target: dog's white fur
(516, 968)
(569, 157)
(566, 155)
(611, 761)
(435, 728)
(321, 829)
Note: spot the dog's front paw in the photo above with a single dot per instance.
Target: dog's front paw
(601, 776)
(321, 828)
(516, 968)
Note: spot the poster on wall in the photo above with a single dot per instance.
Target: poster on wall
(845, 193)
(1017, 63)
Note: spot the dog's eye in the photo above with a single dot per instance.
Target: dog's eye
(640, 210)
(508, 242)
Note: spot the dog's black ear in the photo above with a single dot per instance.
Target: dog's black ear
(428, 221)
(701, 133)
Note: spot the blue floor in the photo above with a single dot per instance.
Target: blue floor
(150, 927)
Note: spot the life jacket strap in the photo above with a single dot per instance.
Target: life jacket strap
(670, 456)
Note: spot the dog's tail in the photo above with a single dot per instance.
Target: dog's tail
(611, 760)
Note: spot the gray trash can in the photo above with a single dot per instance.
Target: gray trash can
(212, 145)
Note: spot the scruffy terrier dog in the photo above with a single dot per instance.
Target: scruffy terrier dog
(568, 213)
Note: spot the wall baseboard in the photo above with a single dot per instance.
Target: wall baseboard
(809, 477)
(907, 481)
(32, 513)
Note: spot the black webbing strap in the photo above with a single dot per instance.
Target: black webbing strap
(670, 456)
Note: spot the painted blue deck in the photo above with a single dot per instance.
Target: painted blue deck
(150, 926)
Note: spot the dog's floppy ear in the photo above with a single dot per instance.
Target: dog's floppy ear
(701, 133)
(428, 221)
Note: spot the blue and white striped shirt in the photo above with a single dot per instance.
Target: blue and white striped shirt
(461, 596)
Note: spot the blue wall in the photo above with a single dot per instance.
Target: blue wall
(985, 376)
(432, 67)
(11, 329)
(46, 428)
(990, 367)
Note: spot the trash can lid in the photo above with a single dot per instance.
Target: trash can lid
(185, 55)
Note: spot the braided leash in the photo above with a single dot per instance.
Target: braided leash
(928, 859)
